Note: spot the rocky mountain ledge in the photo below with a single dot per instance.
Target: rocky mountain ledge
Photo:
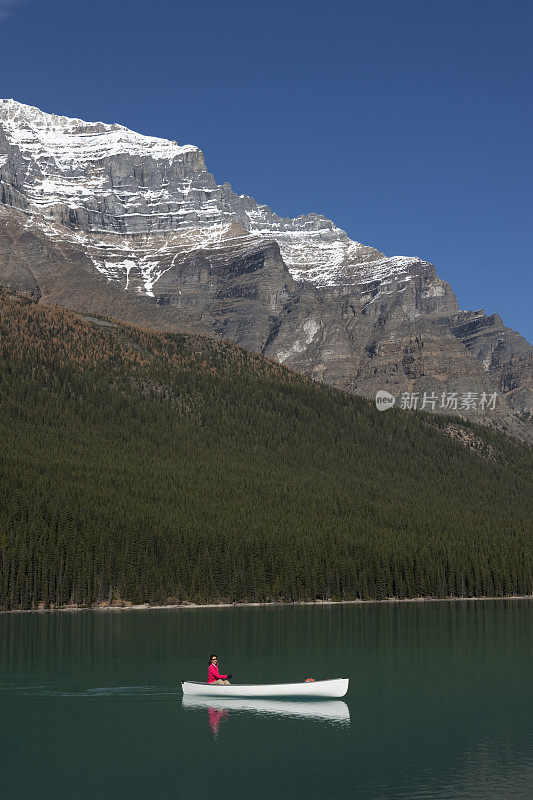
(101, 219)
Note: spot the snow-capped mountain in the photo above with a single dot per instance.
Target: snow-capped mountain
(99, 179)
(101, 218)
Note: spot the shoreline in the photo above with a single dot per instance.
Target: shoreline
(271, 604)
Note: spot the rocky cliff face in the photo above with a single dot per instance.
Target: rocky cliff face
(102, 219)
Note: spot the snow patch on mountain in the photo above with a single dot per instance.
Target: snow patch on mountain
(73, 143)
(137, 203)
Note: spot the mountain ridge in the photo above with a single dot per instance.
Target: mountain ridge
(144, 216)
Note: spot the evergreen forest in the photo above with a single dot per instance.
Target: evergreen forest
(139, 466)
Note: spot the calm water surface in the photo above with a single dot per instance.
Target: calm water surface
(440, 704)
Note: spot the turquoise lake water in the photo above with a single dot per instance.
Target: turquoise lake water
(440, 703)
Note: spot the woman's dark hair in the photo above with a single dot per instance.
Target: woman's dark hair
(213, 655)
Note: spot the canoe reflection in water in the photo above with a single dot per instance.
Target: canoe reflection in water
(333, 711)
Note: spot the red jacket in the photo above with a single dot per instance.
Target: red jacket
(214, 675)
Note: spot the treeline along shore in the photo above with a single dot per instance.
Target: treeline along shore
(142, 467)
(122, 605)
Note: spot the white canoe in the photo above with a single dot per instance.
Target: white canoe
(336, 687)
(329, 710)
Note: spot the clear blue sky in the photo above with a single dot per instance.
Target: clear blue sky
(407, 122)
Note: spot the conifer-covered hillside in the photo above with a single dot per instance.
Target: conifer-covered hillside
(139, 466)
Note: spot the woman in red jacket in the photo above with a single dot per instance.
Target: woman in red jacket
(214, 676)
